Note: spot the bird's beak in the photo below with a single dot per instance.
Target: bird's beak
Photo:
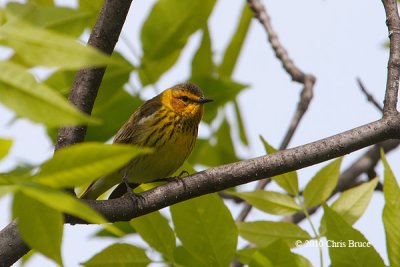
(203, 100)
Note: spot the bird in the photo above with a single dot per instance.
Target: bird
(168, 123)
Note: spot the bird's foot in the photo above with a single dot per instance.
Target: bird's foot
(177, 178)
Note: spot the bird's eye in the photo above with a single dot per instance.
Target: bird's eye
(184, 98)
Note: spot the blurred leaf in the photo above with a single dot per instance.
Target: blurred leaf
(244, 255)
(43, 47)
(270, 202)
(25, 259)
(119, 255)
(322, 184)
(124, 227)
(278, 254)
(20, 92)
(65, 203)
(338, 230)
(41, 227)
(239, 119)
(220, 90)
(5, 145)
(166, 31)
(155, 230)
(235, 46)
(391, 213)
(213, 155)
(113, 104)
(206, 229)
(82, 163)
(183, 258)
(287, 181)
(263, 233)
(61, 81)
(202, 63)
(61, 19)
(352, 203)
(6, 189)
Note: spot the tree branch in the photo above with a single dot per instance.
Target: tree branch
(104, 37)
(392, 85)
(230, 175)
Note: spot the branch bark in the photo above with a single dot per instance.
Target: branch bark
(392, 85)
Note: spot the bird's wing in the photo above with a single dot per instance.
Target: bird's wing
(135, 130)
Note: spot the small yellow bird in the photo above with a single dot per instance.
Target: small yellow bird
(168, 123)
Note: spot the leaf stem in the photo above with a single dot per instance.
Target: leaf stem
(317, 236)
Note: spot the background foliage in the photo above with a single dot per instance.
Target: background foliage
(37, 74)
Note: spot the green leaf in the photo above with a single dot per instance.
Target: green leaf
(124, 227)
(5, 145)
(155, 230)
(65, 203)
(232, 52)
(43, 47)
(41, 227)
(119, 255)
(20, 92)
(220, 153)
(391, 213)
(338, 230)
(239, 119)
(202, 63)
(244, 255)
(82, 163)
(166, 31)
(61, 81)
(263, 233)
(184, 259)
(206, 229)
(62, 19)
(270, 202)
(352, 203)
(277, 254)
(322, 184)
(221, 90)
(287, 181)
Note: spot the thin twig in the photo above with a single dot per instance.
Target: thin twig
(295, 73)
(370, 97)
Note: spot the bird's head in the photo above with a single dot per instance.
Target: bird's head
(186, 99)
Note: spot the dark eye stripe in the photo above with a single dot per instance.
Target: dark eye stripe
(184, 98)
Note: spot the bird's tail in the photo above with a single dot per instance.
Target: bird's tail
(100, 186)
